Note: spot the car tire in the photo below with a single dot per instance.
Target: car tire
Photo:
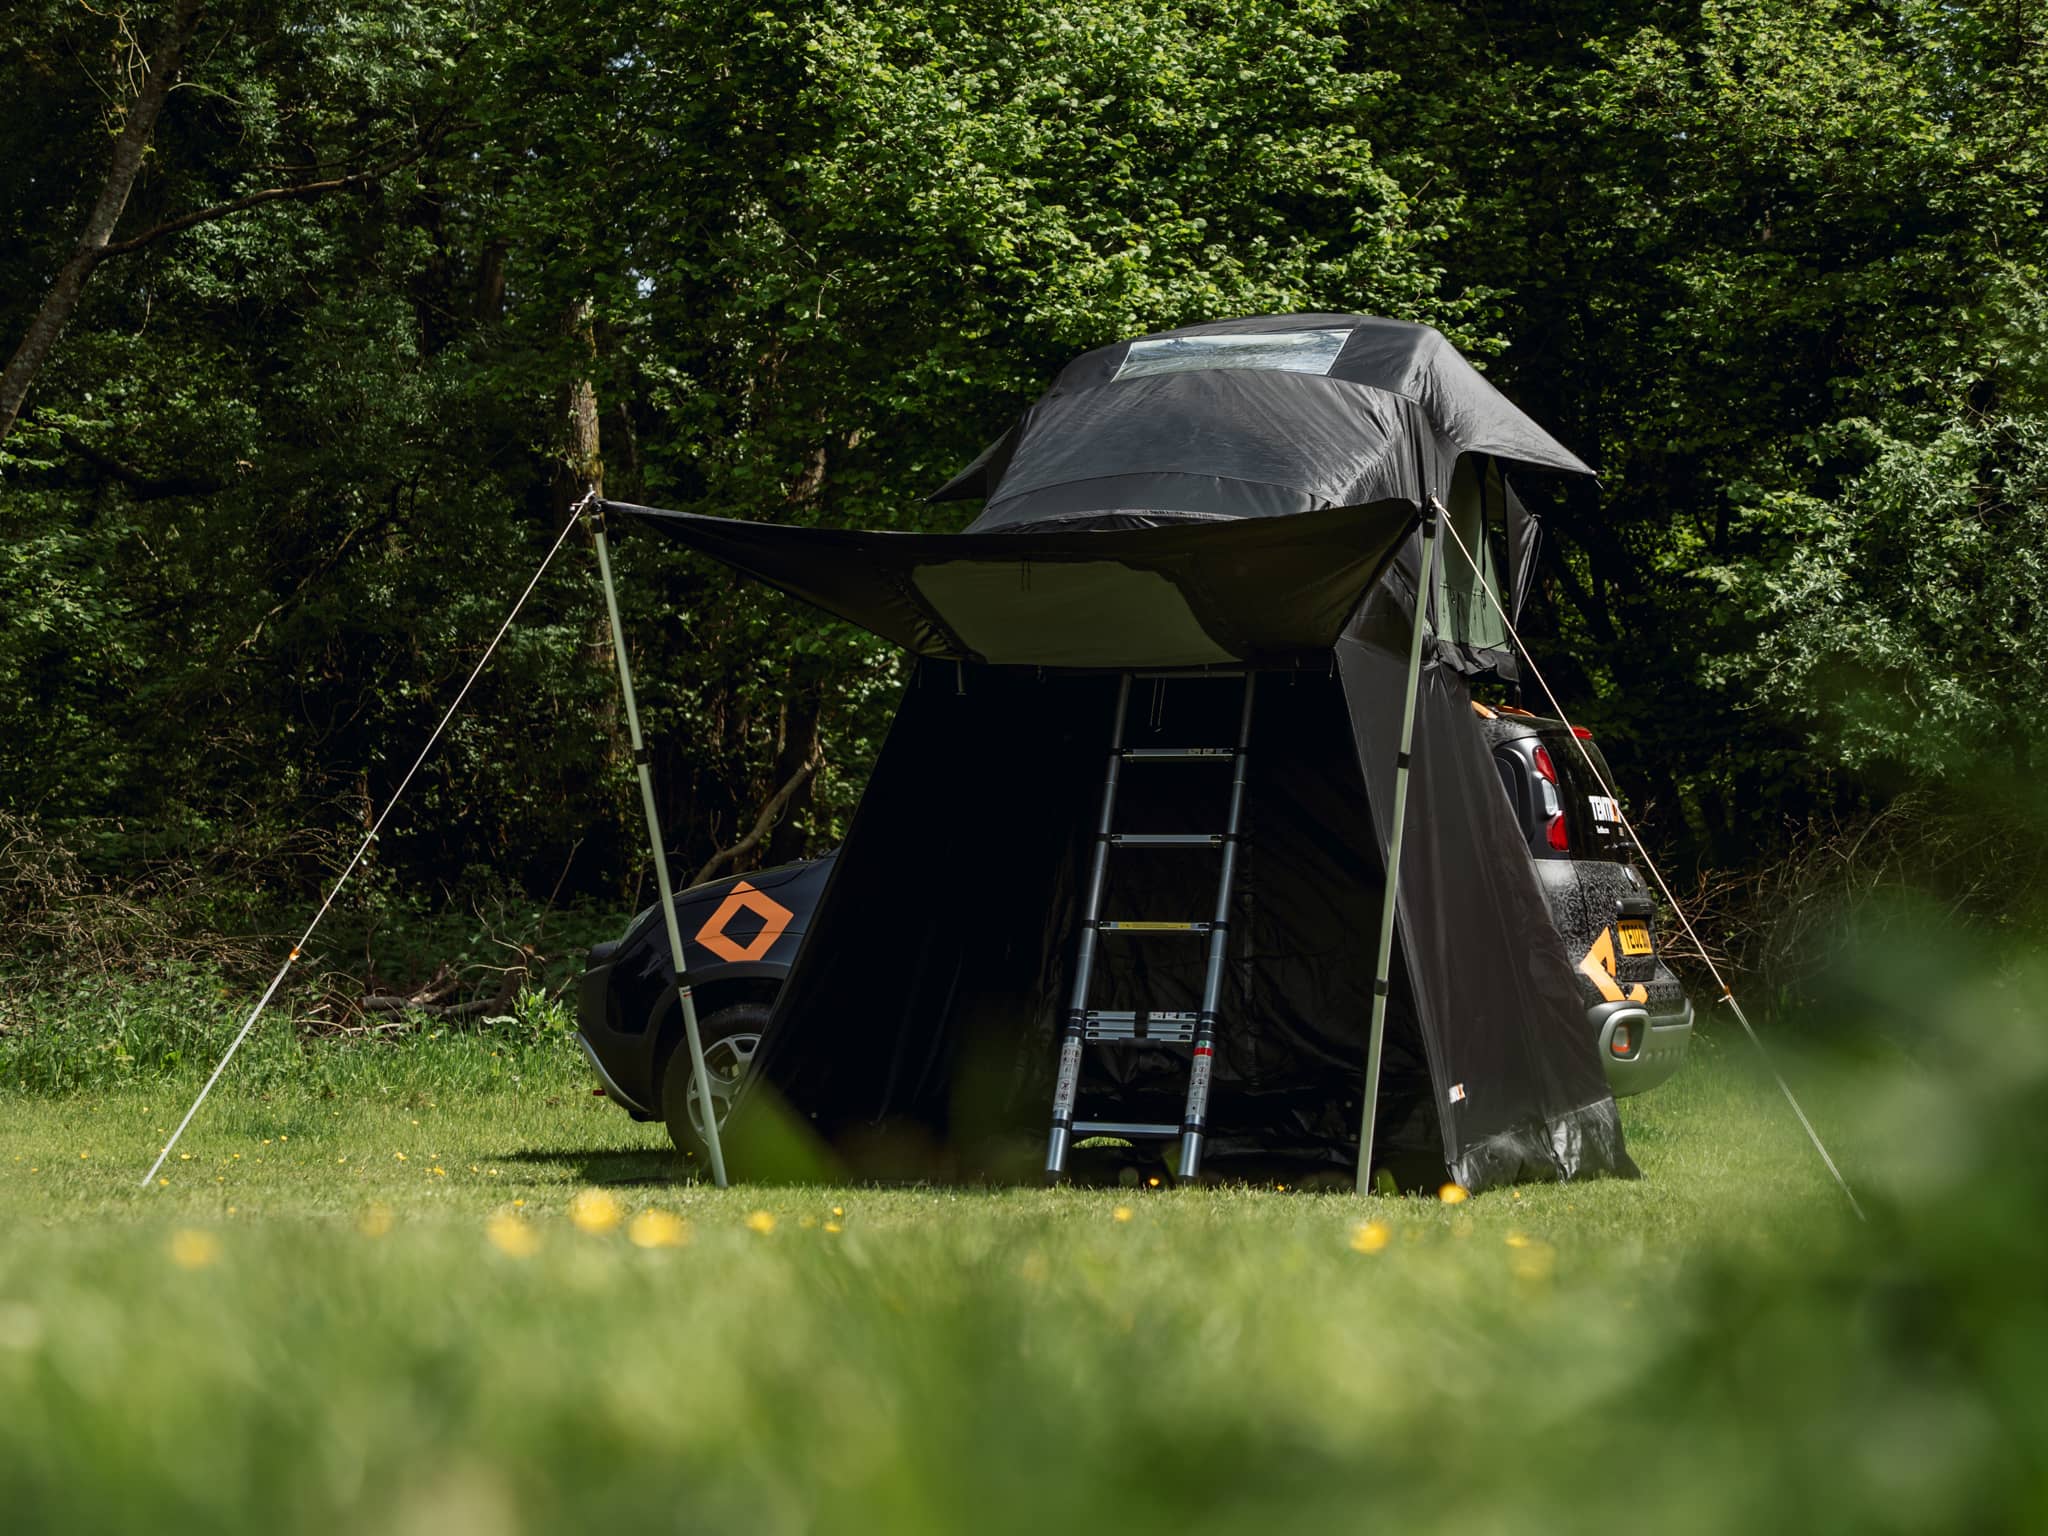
(730, 1037)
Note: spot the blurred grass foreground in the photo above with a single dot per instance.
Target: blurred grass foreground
(438, 1286)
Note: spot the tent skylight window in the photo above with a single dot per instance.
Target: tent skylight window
(1275, 351)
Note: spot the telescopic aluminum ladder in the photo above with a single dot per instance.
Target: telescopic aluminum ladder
(1151, 1027)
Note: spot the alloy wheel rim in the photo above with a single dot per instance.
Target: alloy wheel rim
(726, 1061)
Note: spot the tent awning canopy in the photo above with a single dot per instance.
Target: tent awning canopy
(1223, 492)
(1197, 593)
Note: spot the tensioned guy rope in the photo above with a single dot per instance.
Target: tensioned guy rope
(377, 826)
(1727, 992)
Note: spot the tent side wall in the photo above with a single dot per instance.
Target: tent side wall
(1521, 1091)
(917, 1034)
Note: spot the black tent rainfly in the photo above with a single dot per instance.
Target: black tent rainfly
(1254, 497)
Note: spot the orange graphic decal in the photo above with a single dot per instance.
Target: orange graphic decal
(1598, 968)
(744, 898)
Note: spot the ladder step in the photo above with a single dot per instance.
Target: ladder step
(1084, 1128)
(1125, 925)
(1177, 754)
(1166, 839)
(1141, 1026)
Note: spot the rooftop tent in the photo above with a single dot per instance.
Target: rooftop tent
(1242, 495)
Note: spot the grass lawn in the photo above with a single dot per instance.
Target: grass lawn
(417, 1289)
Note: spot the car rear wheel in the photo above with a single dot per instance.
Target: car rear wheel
(730, 1037)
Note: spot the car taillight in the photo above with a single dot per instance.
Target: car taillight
(1554, 833)
(1582, 733)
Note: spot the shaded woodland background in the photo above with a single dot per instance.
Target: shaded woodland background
(394, 278)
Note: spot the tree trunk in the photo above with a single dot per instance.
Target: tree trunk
(800, 747)
(582, 467)
(58, 304)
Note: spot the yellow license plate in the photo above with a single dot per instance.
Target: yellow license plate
(1635, 936)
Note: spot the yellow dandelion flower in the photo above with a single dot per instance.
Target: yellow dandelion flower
(85, 1154)
(838, 1210)
(440, 1172)
(1452, 1194)
(1534, 1261)
(399, 1155)
(1371, 1236)
(512, 1235)
(184, 1157)
(1121, 1213)
(1518, 1239)
(160, 1181)
(833, 1226)
(762, 1222)
(520, 1201)
(658, 1229)
(1153, 1182)
(595, 1211)
(375, 1220)
(194, 1249)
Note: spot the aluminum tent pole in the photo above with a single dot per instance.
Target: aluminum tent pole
(701, 1076)
(1386, 961)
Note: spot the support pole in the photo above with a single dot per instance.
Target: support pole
(700, 1074)
(1386, 961)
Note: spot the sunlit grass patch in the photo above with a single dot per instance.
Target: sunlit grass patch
(551, 1332)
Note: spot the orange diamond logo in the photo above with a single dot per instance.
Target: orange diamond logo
(774, 917)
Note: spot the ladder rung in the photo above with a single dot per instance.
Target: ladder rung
(1177, 754)
(1140, 1027)
(1084, 1128)
(1125, 925)
(1166, 839)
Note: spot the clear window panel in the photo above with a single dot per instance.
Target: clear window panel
(1277, 351)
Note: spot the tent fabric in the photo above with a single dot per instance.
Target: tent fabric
(1521, 1095)
(1190, 594)
(1249, 492)
(1390, 418)
(1525, 548)
(918, 1032)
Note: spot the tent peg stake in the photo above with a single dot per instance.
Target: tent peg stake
(1383, 972)
(706, 1105)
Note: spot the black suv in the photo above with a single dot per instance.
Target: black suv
(1639, 1013)
(741, 935)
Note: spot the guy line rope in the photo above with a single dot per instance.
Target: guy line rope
(1727, 992)
(390, 805)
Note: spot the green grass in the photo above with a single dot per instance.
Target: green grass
(361, 1302)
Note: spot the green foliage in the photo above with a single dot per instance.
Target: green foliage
(1894, 620)
(1775, 268)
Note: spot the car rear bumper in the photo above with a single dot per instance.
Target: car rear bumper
(1656, 1043)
